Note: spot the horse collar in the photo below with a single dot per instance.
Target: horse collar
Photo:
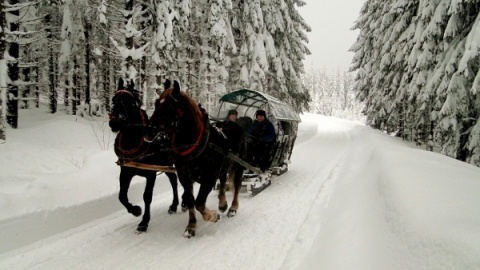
(201, 134)
(124, 91)
(140, 144)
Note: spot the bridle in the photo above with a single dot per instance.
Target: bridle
(125, 117)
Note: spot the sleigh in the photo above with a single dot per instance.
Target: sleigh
(285, 120)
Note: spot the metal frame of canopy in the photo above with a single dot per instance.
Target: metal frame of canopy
(257, 100)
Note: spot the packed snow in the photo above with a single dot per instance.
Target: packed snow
(353, 198)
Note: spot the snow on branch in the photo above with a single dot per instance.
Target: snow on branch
(135, 53)
(17, 7)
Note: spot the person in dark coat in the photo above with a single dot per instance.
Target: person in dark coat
(260, 137)
(232, 115)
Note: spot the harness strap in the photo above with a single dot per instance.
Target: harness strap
(139, 146)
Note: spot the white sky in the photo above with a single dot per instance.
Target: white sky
(353, 198)
(331, 37)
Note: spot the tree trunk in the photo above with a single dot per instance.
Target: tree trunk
(106, 81)
(37, 83)
(87, 67)
(129, 43)
(26, 78)
(3, 81)
(74, 87)
(13, 70)
(66, 83)
(51, 65)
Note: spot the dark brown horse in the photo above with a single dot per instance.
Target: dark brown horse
(129, 120)
(199, 150)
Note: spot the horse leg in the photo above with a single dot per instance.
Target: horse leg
(189, 201)
(222, 199)
(147, 199)
(237, 185)
(126, 176)
(173, 181)
(208, 215)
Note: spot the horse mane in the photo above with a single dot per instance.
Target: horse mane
(193, 107)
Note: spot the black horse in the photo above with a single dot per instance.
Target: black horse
(129, 120)
(199, 149)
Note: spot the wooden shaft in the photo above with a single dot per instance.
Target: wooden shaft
(143, 166)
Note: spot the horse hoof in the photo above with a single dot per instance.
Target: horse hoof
(189, 233)
(136, 210)
(172, 211)
(231, 213)
(184, 207)
(141, 229)
(223, 208)
(218, 218)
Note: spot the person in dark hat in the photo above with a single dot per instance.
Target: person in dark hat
(232, 115)
(261, 136)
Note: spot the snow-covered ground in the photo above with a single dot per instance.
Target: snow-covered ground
(353, 198)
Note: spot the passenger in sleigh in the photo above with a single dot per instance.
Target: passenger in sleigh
(260, 138)
(232, 116)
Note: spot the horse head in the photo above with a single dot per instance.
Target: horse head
(176, 118)
(125, 106)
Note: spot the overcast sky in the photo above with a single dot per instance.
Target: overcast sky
(331, 37)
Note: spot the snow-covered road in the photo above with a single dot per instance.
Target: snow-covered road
(337, 207)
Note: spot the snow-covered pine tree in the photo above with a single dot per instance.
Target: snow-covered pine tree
(366, 61)
(169, 46)
(459, 112)
(126, 37)
(440, 80)
(290, 43)
(108, 17)
(420, 82)
(28, 21)
(398, 31)
(211, 35)
(313, 80)
(332, 95)
(72, 35)
(184, 40)
(46, 50)
(271, 40)
(220, 41)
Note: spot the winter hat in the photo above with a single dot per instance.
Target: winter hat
(230, 112)
(260, 112)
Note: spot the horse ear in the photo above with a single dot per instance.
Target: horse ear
(176, 88)
(120, 84)
(167, 84)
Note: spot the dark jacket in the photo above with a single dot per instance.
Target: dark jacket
(262, 130)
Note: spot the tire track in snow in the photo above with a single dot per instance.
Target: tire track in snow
(42, 224)
(314, 220)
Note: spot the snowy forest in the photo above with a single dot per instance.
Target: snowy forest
(72, 52)
(332, 94)
(417, 70)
